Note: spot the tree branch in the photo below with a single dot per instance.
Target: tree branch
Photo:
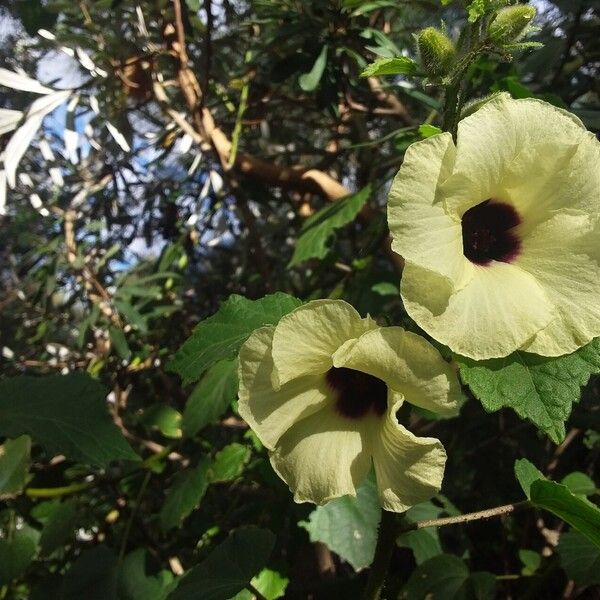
(296, 177)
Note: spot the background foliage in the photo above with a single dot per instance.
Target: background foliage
(150, 201)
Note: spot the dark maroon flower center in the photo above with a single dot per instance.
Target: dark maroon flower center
(487, 232)
(357, 393)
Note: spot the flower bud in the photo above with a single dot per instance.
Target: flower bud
(436, 50)
(510, 23)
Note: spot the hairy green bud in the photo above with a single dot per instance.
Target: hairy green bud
(510, 23)
(436, 51)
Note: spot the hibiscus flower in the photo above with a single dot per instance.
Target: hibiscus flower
(500, 231)
(322, 389)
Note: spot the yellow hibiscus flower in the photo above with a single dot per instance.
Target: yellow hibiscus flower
(500, 231)
(321, 390)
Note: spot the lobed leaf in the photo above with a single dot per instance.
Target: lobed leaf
(221, 335)
(537, 388)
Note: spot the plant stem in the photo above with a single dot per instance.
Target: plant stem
(488, 513)
(59, 491)
(451, 108)
(134, 510)
(386, 540)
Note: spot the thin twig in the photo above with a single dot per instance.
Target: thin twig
(134, 511)
(489, 513)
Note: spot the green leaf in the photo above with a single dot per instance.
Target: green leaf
(34, 16)
(447, 577)
(184, 496)
(537, 388)
(368, 7)
(579, 484)
(425, 543)
(229, 463)
(93, 576)
(211, 397)
(59, 528)
(390, 66)
(14, 466)
(426, 130)
(309, 81)
(135, 584)
(193, 5)
(580, 558)
(221, 335)
(526, 473)
(385, 288)
(476, 10)
(318, 229)
(15, 556)
(269, 583)
(531, 560)
(576, 511)
(229, 568)
(348, 525)
(119, 341)
(164, 418)
(481, 586)
(66, 414)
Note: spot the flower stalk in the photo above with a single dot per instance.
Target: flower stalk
(389, 529)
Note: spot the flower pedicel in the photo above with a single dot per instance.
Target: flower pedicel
(321, 390)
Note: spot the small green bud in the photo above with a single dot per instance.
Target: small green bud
(510, 23)
(436, 51)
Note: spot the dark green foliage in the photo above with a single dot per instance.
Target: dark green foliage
(318, 229)
(65, 414)
(220, 336)
(130, 279)
(229, 568)
(14, 465)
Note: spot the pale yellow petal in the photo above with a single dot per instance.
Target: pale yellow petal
(500, 309)
(409, 469)
(270, 413)
(563, 254)
(500, 136)
(324, 456)
(305, 339)
(421, 230)
(408, 364)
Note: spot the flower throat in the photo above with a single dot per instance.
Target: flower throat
(356, 392)
(487, 233)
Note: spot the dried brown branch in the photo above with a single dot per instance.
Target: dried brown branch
(297, 178)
